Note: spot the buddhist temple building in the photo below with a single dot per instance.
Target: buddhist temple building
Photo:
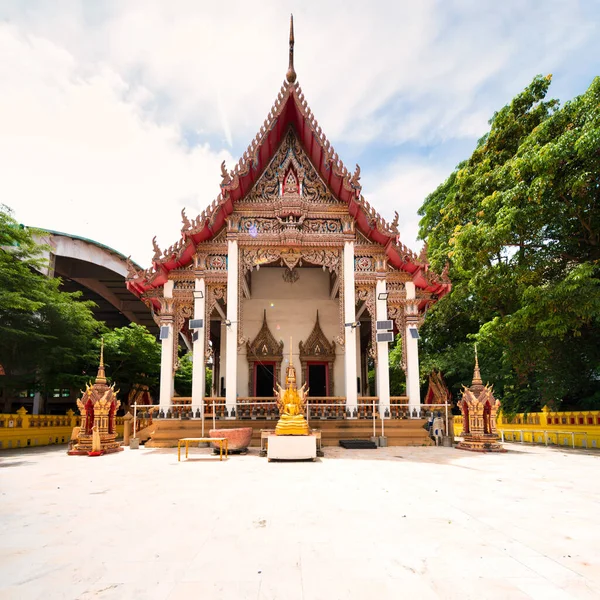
(289, 249)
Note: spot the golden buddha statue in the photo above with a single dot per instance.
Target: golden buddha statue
(291, 402)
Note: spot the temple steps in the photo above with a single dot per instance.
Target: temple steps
(146, 433)
(399, 432)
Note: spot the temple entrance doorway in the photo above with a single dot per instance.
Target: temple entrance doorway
(317, 379)
(264, 379)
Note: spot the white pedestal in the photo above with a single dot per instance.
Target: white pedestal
(292, 447)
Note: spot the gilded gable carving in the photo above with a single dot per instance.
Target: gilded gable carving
(317, 345)
(318, 349)
(264, 346)
(290, 178)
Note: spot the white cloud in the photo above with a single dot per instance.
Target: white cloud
(79, 155)
(396, 71)
(402, 187)
(99, 99)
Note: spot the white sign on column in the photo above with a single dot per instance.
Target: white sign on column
(166, 354)
(350, 334)
(198, 367)
(383, 366)
(413, 388)
(232, 328)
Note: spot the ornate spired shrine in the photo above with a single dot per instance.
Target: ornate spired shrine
(289, 249)
(98, 406)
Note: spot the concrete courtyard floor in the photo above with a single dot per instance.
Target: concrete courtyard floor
(412, 523)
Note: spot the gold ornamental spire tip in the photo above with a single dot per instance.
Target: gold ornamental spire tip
(291, 73)
(290, 350)
(101, 377)
(476, 374)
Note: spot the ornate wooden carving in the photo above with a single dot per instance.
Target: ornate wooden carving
(214, 294)
(366, 294)
(264, 348)
(318, 348)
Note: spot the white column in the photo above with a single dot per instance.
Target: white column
(37, 403)
(198, 367)
(166, 356)
(413, 389)
(350, 334)
(232, 328)
(383, 365)
(222, 360)
(358, 361)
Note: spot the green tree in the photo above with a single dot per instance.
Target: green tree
(183, 376)
(46, 336)
(132, 358)
(397, 375)
(519, 224)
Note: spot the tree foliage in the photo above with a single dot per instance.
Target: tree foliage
(46, 335)
(132, 357)
(183, 376)
(519, 224)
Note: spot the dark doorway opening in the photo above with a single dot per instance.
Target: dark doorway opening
(264, 379)
(317, 380)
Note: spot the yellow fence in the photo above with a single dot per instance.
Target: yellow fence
(20, 430)
(578, 429)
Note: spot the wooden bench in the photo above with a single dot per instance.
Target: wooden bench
(187, 441)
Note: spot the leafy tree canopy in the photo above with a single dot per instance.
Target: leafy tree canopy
(45, 335)
(132, 358)
(519, 224)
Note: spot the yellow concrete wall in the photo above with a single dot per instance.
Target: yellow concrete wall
(562, 428)
(20, 430)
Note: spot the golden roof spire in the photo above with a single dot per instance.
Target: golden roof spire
(291, 73)
(101, 377)
(476, 373)
(290, 350)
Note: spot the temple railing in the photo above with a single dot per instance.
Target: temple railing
(319, 407)
(316, 408)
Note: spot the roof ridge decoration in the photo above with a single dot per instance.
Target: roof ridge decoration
(236, 183)
(291, 73)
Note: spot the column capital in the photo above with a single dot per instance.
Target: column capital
(167, 306)
(200, 262)
(166, 319)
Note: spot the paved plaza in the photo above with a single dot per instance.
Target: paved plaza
(411, 523)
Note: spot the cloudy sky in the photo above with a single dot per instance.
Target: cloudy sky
(114, 115)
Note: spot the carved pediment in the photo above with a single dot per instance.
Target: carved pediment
(264, 346)
(317, 345)
(290, 184)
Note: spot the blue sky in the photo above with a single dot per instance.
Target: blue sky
(116, 115)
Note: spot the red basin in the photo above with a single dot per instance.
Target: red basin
(237, 438)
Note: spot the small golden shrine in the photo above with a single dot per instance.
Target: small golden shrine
(291, 403)
(98, 407)
(479, 409)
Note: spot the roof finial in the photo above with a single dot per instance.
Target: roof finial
(476, 373)
(291, 74)
(101, 377)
